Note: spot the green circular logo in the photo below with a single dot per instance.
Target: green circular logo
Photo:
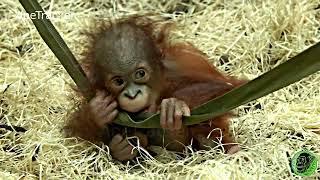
(304, 163)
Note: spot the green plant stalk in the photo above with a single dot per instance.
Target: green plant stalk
(285, 74)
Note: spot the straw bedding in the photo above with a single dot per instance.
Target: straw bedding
(241, 37)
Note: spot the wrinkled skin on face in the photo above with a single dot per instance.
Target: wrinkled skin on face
(131, 69)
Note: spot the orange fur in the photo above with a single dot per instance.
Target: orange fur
(187, 75)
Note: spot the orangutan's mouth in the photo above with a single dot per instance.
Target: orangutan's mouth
(141, 115)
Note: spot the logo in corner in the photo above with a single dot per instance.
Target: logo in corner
(304, 163)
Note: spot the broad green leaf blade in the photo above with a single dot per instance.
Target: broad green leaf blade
(291, 71)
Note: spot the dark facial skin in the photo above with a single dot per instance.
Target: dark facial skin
(132, 89)
(131, 71)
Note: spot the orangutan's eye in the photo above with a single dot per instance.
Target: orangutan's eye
(140, 73)
(118, 81)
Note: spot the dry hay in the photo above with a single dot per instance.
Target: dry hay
(250, 37)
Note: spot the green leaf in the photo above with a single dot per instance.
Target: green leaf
(293, 70)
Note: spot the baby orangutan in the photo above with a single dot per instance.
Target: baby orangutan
(134, 68)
